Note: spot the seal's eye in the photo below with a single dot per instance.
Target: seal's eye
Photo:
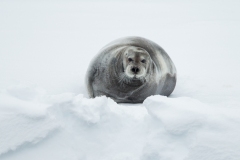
(143, 61)
(130, 59)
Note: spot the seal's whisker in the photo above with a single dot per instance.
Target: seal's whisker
(121, 79)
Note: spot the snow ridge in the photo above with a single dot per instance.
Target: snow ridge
(160, 128)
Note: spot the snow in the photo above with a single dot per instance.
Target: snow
(44, 54)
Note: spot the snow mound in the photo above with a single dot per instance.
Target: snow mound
(160, 128)
(203, 131)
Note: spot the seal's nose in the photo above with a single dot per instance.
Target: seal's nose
(135, 70)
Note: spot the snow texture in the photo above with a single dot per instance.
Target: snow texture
(44, 54)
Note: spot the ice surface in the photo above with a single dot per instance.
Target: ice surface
(44, 53)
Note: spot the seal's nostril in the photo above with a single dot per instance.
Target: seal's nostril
(135, 70)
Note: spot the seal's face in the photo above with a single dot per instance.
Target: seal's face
(135, 63)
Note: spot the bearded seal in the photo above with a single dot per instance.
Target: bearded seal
(129, 70)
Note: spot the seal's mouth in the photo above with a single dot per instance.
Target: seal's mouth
(131, 81)
(135, 78)
(134, 81)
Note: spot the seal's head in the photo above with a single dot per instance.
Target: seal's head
(136, 62)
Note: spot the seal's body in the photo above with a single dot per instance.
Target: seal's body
(129, 70)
